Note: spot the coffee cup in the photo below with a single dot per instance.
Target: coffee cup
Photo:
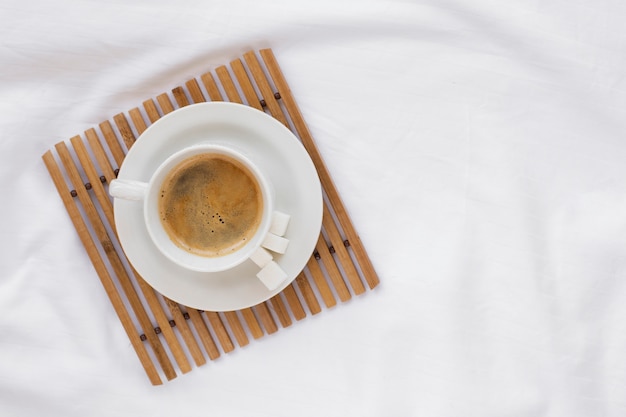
(207, 208)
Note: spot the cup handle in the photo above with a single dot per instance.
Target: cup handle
(128, 189)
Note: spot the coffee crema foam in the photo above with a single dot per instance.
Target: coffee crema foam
(210, 205)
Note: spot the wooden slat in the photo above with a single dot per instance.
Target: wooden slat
(236, 328)
(165, 103)
(331, 269)
(194, 91)
(252, 322)
(329, 187)
(180, 97)
(151, 110)
(101, 157)
(111, 139)
(114, 260)
(101, 270)
(294, 302)
(337, 244)
(245, 84)
(266, 318)
(138, 121)
(228, 85)
(185, 331)
(264, 86)
(308, 294)
(203, 331)
(94, 179)
(322, 285)
(281, 311)
(211, 87)
(220, 331)
(125, 130)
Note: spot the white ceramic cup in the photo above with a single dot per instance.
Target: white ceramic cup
(148, 193)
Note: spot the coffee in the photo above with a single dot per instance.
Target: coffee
(210, 205)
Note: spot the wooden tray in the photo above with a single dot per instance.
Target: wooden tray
(167, 336)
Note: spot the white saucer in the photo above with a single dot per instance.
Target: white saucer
(274, 149)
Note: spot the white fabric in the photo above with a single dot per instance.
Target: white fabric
(478, 146)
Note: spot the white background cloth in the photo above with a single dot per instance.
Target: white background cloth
(478, 146)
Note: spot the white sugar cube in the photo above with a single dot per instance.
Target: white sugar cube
(261, 257)
(280, 221)
(275, 243)
(272, 275)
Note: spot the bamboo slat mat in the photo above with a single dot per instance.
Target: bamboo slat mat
(168, 337)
